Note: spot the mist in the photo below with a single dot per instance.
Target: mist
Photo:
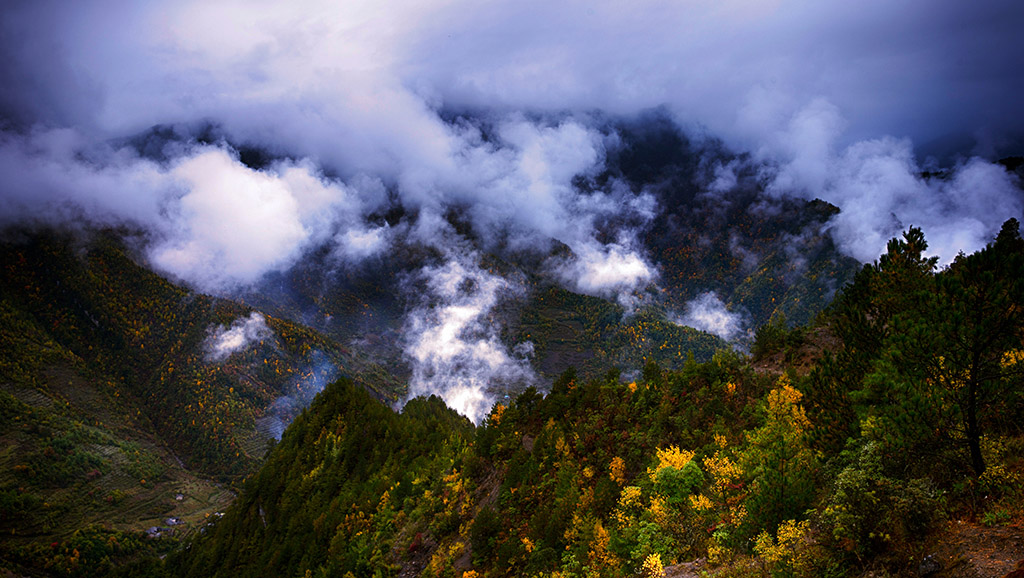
(502, 115)
(452, 342)
(223, 341)
(708, 313)
(300, 393)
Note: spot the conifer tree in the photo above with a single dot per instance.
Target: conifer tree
(941, 364)
(980, 319)
(779, 458)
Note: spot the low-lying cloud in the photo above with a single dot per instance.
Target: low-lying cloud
(213, 222)
(300, 393)
(881, 187)
(243, 332)
(708, 313)
(454, 345)
(612, 271)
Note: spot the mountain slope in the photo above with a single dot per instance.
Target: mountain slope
(112, 398)
(328, 495)
(839, 470)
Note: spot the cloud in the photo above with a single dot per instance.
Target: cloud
(708, 313)
(350, 83)
(882, 189)
(214, 222)
(613, 270)
(301, 391)
(358, 244)
(374, 92)
(223, 341)
(234, 224)
(452, 342)
(53, 176)
(497, 114)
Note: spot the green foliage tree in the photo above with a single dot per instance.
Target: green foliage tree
(981, 321)
(899, 283)
(828, 407)
(779, 459)
(948, 364)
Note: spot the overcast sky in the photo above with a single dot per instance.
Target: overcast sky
(918, 68)
(843, 100)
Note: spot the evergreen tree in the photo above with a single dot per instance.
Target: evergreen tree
(980, 319)
(779, 459)
(942, 360)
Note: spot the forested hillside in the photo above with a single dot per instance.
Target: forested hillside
(130, 400)
(113, 401)
(910, 418)
(757, 258)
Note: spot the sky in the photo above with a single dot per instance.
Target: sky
(922, 69)
(359, 103)
(359, 91)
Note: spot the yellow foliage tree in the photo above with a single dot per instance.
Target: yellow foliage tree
(599, 557)
(670, 457)
(722, 503)
(779, 457)
(652, 567)
(617, 470)
(787, 552)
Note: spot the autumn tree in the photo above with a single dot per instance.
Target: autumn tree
(779, 459)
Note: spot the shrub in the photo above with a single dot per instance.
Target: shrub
(869, 512)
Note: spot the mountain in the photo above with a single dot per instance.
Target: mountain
(614, 418)
(847, 466)
(724, 262)
(315, 501)
(128, 399)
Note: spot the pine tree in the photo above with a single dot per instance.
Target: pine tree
(779, 459)
(941, 362)
(980, 318)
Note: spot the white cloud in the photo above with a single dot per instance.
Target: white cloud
(215, 223)
(50, 175)
(358, 244)
(234, 224)
(454, 345)
(881, 190)
(606, 271)
(708, 313)
(223, 341)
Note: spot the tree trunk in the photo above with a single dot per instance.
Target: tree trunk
(973, 433)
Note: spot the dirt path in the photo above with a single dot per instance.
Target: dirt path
(970, 551)
(685, 570)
